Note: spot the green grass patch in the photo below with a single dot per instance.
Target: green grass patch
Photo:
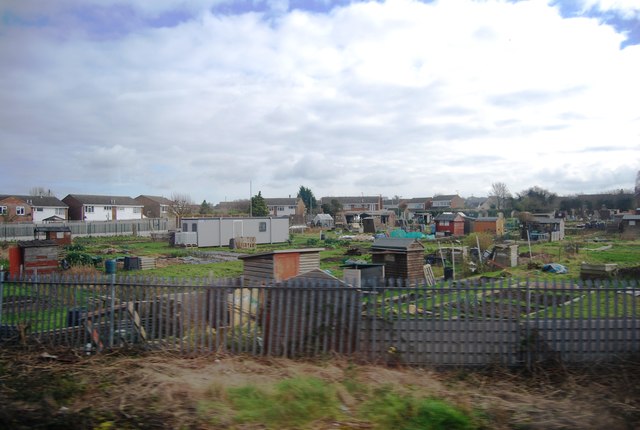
(390, 410)
(293, 403)
(227, 269)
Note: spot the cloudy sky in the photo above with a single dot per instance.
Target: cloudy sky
(217, 98)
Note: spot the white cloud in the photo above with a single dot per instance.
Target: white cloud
(399, 97)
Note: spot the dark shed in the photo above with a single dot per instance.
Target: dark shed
(402, 258)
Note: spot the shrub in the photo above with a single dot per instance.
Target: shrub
(389, 410)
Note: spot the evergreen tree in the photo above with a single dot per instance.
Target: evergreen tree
(258, 205)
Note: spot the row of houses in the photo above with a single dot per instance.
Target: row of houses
(84, 207)
(81, 207)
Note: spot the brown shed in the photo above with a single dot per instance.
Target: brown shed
(402, 258)
(34, 257)
(279, 265)
(59, 234)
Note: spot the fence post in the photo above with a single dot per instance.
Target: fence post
(113, 309)
(1, 290)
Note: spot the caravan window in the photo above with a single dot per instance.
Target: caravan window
(262, 226)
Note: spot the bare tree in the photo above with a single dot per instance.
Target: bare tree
(500, 191)
(40, 191)
(181, 206)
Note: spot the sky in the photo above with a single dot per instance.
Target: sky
(220, 99)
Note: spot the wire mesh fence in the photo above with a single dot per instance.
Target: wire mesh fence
(507, 322)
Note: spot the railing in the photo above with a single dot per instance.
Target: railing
(11, 232)
(507, 323)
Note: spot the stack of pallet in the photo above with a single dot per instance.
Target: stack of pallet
(147, 263)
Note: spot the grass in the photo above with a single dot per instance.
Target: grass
(388, 409)
(293, 403)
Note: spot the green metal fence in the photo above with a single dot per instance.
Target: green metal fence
(509, 323)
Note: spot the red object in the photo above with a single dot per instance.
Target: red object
(15, 261)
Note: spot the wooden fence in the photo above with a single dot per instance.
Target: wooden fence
(506, 323)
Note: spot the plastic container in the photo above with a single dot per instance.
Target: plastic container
(110, 267)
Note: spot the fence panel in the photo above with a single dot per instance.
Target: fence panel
(506, 323)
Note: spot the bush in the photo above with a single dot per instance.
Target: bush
(390, 410)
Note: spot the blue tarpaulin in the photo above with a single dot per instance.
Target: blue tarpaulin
(554, 268)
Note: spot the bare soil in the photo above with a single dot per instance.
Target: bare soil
(64, 389)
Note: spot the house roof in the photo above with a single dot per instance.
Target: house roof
(323, 217)
(38, 201)
(487, 218)
(447, 217)
(396, 244)
(87, 199)
(158, 199)
(281, 201)
(356, 199)
(629, 217)
(445, 197)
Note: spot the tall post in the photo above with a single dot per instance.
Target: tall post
(113, 310)
(250, 200)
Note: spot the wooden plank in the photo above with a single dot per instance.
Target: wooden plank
(93, 335)
(136, 321)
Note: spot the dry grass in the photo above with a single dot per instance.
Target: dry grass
(159, 390)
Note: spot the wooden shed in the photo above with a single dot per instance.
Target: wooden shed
(34, 257)
(279, 265)
(489, 224)
(61, 234)
(402, 258)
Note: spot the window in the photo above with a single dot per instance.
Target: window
(120, 208)
(19, 210)
(164, 208)
(185, 226)
(107, 208)
(89, 209)
(194, 227)
(262, 226)
(280, 208)
(444, 223)
(632, 222)
(3, 210)
(137, 210)
(39, 209)
(60, 211)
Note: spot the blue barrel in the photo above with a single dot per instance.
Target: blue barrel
(110, 267)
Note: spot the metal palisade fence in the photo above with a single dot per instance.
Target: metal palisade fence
(507, 322)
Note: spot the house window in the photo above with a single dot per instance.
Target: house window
(164, 209)
(632, 222)
(137, 210)
(107, 208)
(280, 208)
(194, 227)
(60, 211)
(292, 207)
(39, 209)
(262, 226)
(185, 227)
(444, 223)
(19, 210)
(89, 209)
(3, 210)
(120, 208)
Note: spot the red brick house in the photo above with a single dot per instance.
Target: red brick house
(449, 224)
